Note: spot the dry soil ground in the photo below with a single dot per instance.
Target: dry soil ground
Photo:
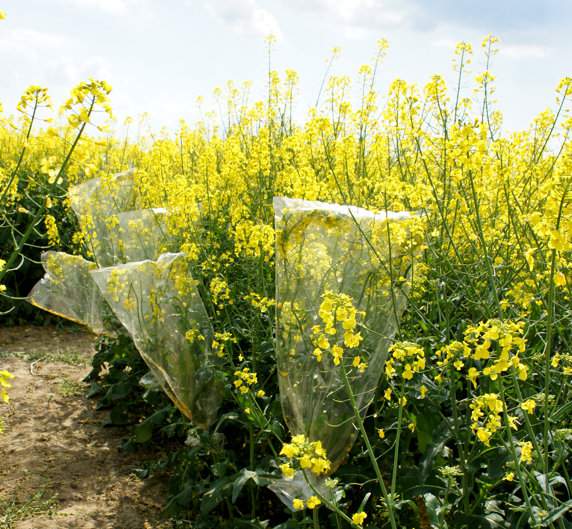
(59, 468)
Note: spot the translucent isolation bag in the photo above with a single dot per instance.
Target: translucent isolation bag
(115, 231)
(159, 305)
(114, 236)
(67, 290)
(341, 280)
(130, 236)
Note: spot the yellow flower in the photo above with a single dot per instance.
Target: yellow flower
(509, 476)
(525, 452)
(318, 354)
(323, 342)
(287, 471)
(361, 366)
(352, 340)
(337, 353)
(319, 450)
(290, 450)
(528, 406)
(557, 241)
(472, 376)
(381, 433)
(305, 461)
(359, 517)
(320, 465)
(299, 439)
(484, 436)
(512, 422)
(298, 504)
(313, 502)
(407, 372)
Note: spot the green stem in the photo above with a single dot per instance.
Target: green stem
(396, 449)
(330, 505)
(251, 464)
(460, 445)
(522, 479)
(550, 343)
(373, 459)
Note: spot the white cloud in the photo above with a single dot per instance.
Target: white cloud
(358, 16)
(524, 51)
(245, 17)
(445, 43)
(112, 7)
(68, 72)
(29, 41)
(356, 32)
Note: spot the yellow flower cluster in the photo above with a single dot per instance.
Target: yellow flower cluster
(84, 98)
(254, 240)
(311, 503)
(34, 97)
(490, 349)
(219, 341)
(525, 451)
(51, 230)
(259, 302)
(220, 292)
(486, 416)
(245, 379)
(304, 454)
(337, 329)
(562, 361)
(406, 359)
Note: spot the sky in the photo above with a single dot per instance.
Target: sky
(159, 55)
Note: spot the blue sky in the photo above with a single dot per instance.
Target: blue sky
(159, 55)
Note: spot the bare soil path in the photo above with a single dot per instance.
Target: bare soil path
(59, 468)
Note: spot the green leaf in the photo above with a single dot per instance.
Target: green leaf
(557, 513)
(434, 510)
(259, 477)
(94, 390)
(215, 495)
(562, 413)
(243, 476)
(143, 432)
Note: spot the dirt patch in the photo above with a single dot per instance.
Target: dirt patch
(59, 468)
